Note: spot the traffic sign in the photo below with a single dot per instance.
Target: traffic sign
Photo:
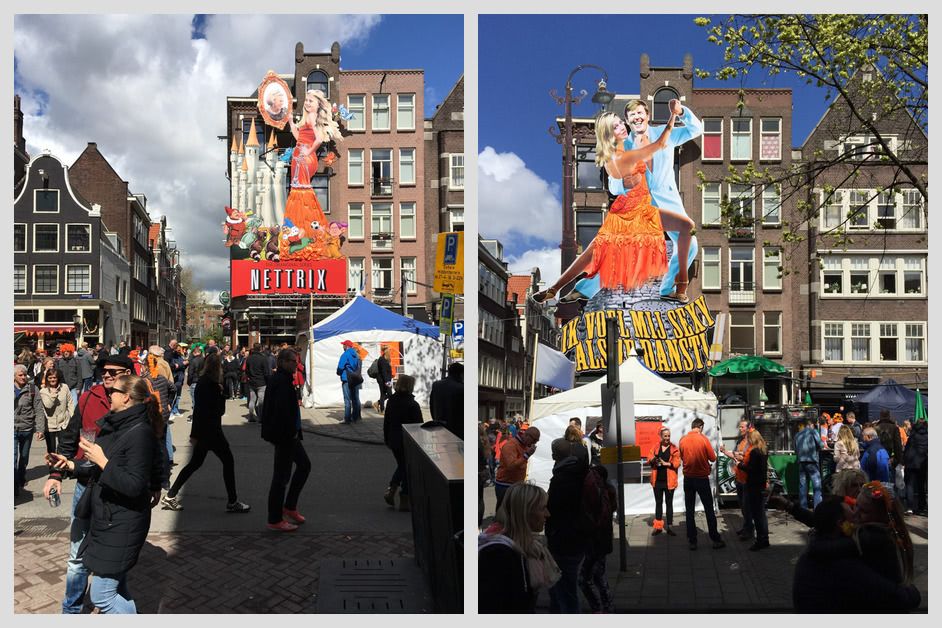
(224, 299)
(449, 263)
(457, 332)
(447, 313)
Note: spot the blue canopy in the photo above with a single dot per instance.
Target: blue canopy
(899, 400)
(364, 315)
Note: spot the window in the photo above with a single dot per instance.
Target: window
(587, 226)
(78, 279)
(78, 238)
(380, 112)
(405, 112)
(259, 131)
(911, 217)
(407, 221)
(406, 166)
(771, 262)
(662, 98)
(741, 275)
(834, 342)
(456, 172)
(912, 275)
(859, 214)
(887, 276)
(381, 171)
(381, 231)
(355, 273)
(741, 199)
(770, 140)
(45, 238)
(833, 211)
(356, 104)
(741, 140)
(19, 279)
(382, 269)
(859, 275)
(860, 342)
(46, 201)
(886, 210)
(771, 205)
(140, 268)
(456, 218)
(19, 238)
(889, 342)
(25, 316)
(407, 264)
(711, 203)
(711, 267)
(321, 185)
(318, 79)
(855, 149)
(45, 279)
(355, 221)
(712, 138)
(914, 342)
(355, 166)
(588, 175)
(772, 332)
(742, 333)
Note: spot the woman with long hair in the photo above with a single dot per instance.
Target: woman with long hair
(846, 450)
(629, 249)
(304, 233)
(123, 482)
(402, 409)
(54, 408)
(756, 465)
(513, 561)
(156, 371)
(484, 457)
(206, 435)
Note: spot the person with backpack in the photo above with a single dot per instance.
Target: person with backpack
(598, 505)
(348, 368)
(664, 460)
(568, 528)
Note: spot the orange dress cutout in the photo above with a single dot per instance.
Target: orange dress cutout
(302, 207)
(630, 248)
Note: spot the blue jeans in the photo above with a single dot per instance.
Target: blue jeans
(564, 595)
(21, 444)
(256, 402)
(192, 397)
(75, 395)
(76, 576)
(808, 470)
(351, 403)
(745, 507)
(169, 441)
(110, 594)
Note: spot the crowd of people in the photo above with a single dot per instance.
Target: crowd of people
(557, 540)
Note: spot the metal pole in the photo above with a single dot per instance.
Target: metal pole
(568, 245)
(445, 357)
(612, 338)
(404, 298)
(536, 348)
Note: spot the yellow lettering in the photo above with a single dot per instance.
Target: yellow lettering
(647, 348)
(639, 325)
(625, 332)
(685, 349)
(690, 314)
(673, 355)
(580, 358)
(598, 351)
(661, 357)
(657, 325)
(698, 354)
(701, 305)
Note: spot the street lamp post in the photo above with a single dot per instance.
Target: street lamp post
(603, 97)
(77, 321)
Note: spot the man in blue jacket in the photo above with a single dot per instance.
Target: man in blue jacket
(875, 461)
(807, 446)
(348, 365)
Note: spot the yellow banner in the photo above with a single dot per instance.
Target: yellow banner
(449, 263)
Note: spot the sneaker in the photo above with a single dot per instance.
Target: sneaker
(670, 531)
(238, 506)
(282, 526)
(170, 503)
(759, 545)
(719, 544)
(294, 515)
(189, 419)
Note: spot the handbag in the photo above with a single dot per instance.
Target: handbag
(354, 378)
(373, 371)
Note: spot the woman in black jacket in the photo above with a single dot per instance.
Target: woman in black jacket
(281, 426)
(916, 459)
(123, 485)
(756, 466)
(383, 378)
(207, 436)
(232, 371)
(401, 409)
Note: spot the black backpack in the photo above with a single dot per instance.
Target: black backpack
(373, 371)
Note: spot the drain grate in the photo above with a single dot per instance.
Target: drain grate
(40, 526)
(382, 585)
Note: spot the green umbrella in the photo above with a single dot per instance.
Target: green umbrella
(920, 412)
(747, 365)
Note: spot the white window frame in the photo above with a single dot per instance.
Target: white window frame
(853, 202)
(58, 236)
(413, 287)
(766, 220)
(352, 284)
(747, 194)
(65, 286)
(403, 234)
(733, 134)
(452, 167)
(907, 325)
(58, 201)
(381, 244)
(744, 292)
(25, 289)
(906, 206)
(375, 110)
(351, 162)
(357, 109)
(453, 217)
(37, 267)
(834, 325)
(718, 263)
(836, 202)
(774, 262)
(752, 326)
(898, 264)
(862, 329)
(66, 239)
(713, 133)
(706, 193)
(400, 108)
(879, 341)
(763, 134)
(766, 327)
(354, 208)
(860, 141)
(402, 180)
(25, 248)
(375, 270)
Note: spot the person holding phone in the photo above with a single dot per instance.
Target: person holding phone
(664, 460)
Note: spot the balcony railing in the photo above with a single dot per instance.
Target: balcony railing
(742, 234)
(382, 242)
(742, 293)
(381, 187)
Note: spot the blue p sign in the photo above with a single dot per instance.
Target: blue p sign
(451, 248)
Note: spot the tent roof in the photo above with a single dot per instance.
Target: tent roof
(889, 395)
(650, 388)
(364, 315)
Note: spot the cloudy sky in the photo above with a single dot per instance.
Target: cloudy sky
(151, 91)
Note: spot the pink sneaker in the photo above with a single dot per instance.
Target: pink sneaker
(294, 515)
(282, 526)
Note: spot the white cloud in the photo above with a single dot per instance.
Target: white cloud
(547, 260)
(515, 203)
(154, 101)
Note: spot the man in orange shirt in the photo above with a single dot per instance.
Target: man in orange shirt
(696, 454)
(513, 461)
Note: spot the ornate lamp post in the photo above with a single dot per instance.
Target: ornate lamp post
(601, 97)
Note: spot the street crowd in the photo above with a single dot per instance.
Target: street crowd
(104, 415)
(557, 540)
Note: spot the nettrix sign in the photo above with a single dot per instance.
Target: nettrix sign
(263, 277)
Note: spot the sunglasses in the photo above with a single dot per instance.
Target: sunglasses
(114, 372)
(114, 390)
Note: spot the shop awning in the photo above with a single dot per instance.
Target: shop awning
(746, 365)
(41, 329)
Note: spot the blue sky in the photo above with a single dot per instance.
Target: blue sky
(522, 57)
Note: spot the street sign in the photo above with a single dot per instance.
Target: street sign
(447, 313)
(449, 263)
(224, 299)
(457, 332)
